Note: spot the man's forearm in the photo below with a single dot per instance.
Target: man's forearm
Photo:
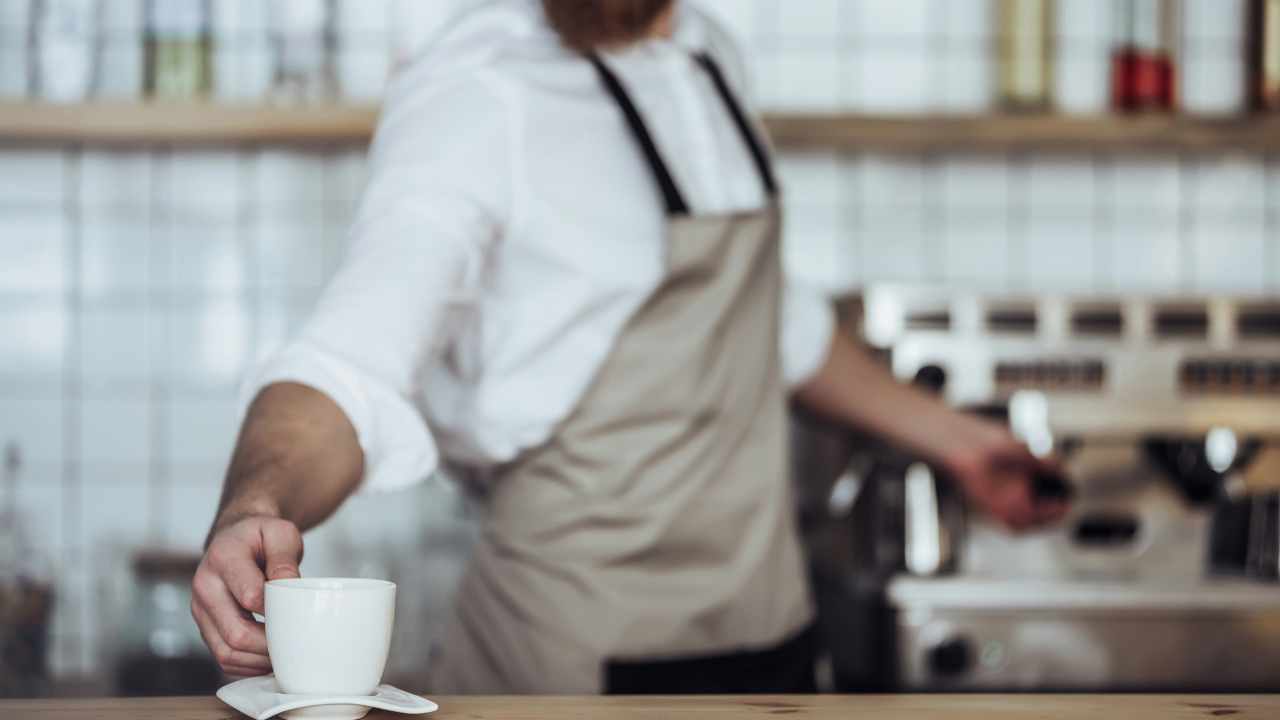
(297, 458)
(990, 465)
(853, 388)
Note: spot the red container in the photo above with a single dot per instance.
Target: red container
(1142, 80)
(1143, 71)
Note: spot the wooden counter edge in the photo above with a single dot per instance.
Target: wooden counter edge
(880, 707)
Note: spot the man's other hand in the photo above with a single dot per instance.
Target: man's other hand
(996, 472)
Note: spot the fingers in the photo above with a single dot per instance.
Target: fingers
(1050, 511)
(227, 618)
(282, 545)
(233, 561)
(1007, 497)
(1021, 512)
(1052, 463)
(1008, 489)
(232, 661)
(230, 584)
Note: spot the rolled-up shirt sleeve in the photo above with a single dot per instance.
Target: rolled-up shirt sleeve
(438, 196)
(808, 327)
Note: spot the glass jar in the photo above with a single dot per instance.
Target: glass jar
(161, 652)
(1024, 55)
(1142, 62)
(67, 42)
(178, 48)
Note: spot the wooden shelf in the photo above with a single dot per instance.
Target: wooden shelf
(221, 124)
(188, 124)
(1031, 132)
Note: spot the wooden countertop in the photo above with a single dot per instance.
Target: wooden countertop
(844, 707)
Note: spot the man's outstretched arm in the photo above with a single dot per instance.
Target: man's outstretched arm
(296, 460)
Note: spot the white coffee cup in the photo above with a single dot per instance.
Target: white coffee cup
(329, 636)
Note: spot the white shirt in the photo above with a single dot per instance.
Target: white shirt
(509, 231)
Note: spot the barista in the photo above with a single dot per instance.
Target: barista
(564, 285)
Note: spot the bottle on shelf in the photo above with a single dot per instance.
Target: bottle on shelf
(178, 49)
(66, 40)
(302, 39)
(1024, 55)
(1142, 63)
(1263, 55)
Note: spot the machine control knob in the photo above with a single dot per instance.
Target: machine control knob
(950, 658)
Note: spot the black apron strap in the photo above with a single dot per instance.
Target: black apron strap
(670, 193)
(740, 119)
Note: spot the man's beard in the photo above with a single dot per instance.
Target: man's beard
(595, 24)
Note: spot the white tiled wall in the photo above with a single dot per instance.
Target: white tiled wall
(137, 286)
(1063, 222)
(905, 56)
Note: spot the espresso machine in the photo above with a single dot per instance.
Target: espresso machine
(1165, 412)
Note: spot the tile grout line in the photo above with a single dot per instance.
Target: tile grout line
(1017, 221)
(933, 249)
(1186, 275)
(73, 564)
(1102, 222)
(1269, 225)
(159, 333)
(852, 202)
(848, 46)
(248, 240)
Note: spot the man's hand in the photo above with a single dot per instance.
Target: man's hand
(296, 460)
(995, 471)
(230, 585)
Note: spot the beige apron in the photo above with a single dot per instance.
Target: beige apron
(657, 522)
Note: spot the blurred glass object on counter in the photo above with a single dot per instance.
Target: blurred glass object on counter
(1142, 63)
(1024, 54)
(302, 38)
(26, 596)
(178, 49)
(66, 35)
(15, 18)
(1263, 55)
(161, 652)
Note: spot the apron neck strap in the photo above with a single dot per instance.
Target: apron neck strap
(758, 154)
(674, 201)
(670, 193)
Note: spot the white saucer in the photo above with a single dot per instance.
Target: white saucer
(261, 698)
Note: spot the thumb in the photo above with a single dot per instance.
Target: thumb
(282, 545)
